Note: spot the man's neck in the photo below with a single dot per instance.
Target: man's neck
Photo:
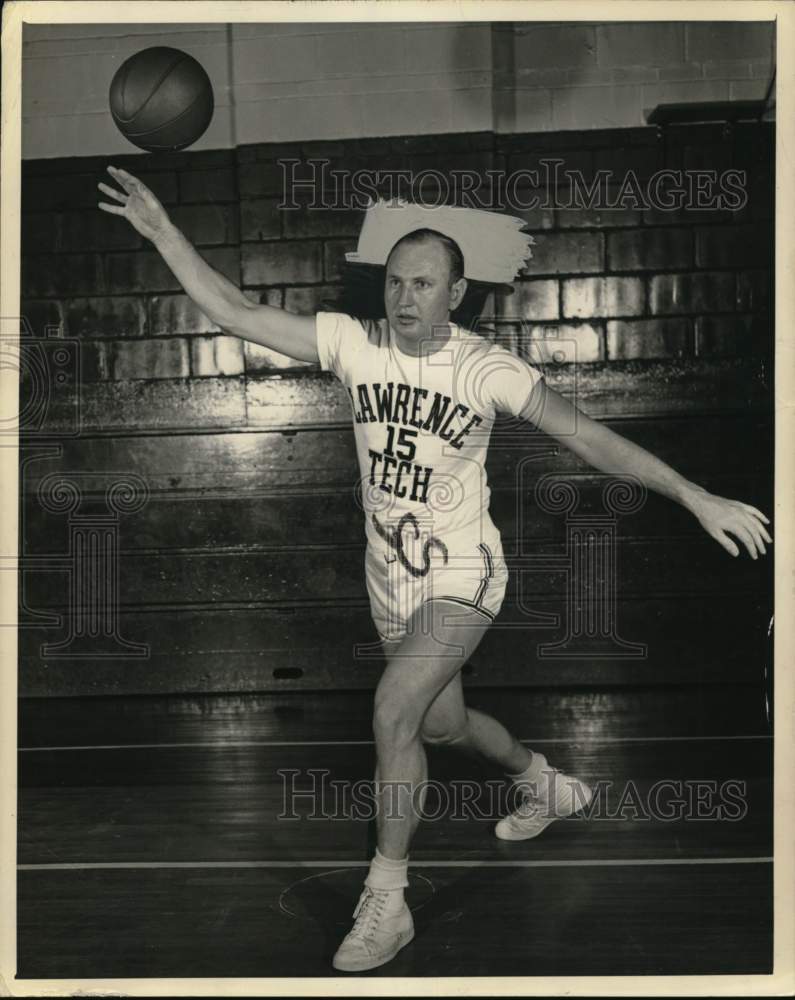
(438, 339)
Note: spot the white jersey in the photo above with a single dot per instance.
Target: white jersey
(422, 425)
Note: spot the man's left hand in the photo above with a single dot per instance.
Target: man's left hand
(720, 518)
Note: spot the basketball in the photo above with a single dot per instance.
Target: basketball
(161, 99)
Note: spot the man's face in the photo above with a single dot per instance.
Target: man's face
(418, 295)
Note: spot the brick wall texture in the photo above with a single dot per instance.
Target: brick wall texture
(605, 286)
(659, 322)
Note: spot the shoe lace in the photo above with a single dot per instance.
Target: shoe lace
(532, 804)
(528, 808)
(367, 914)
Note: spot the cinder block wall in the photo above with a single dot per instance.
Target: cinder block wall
(306, 81)
(243, 569)
(588, 75)
(616, 284)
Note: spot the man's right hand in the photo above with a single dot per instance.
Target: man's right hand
(218, 298)
(137, 204)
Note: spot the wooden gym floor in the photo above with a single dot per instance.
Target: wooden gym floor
(149, 843)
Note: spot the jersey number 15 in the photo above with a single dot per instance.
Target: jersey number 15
(405, 440)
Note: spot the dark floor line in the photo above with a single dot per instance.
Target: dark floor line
(467, 863)
(364, 743)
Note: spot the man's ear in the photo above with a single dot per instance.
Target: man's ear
(457, 292)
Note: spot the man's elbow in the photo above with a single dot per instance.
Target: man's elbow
(241, 317)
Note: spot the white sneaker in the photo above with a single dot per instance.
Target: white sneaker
(377, 934)
(557, 796)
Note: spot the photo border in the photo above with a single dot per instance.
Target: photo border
(199, 11)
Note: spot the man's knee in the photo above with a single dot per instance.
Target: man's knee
(395, 722)
(444, 734)
(445, 739)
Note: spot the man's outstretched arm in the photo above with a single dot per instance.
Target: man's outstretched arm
(217, 297)
(610, 452)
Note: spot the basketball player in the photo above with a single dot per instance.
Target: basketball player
(424, 396)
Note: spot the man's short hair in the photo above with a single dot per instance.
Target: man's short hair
(454, 255)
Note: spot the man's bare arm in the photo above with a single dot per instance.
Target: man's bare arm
(217, 297)
(610, 452)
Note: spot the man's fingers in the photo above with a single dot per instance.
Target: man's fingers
(112, 192)
(756, 513)
(740, 531)
(758, 532)
(754, 518)
(127, 181)
(113, 209)
(759, 526)
(758, 540)
(723, 539)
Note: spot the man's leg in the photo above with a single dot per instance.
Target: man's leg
(544, 793)
(449, 722)
(417, 670)
(424, 663)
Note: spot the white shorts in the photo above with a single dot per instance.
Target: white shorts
(473, 575)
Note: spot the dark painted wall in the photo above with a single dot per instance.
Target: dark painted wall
(244, 556)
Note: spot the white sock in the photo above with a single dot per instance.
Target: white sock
(390, 875)
(534, 770)
(535, 776)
